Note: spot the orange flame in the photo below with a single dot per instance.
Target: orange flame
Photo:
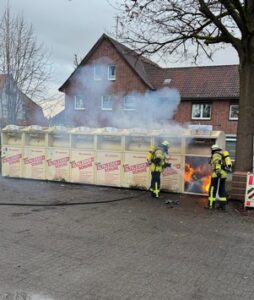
(200, 173)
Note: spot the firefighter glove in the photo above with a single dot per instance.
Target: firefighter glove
(218, 174)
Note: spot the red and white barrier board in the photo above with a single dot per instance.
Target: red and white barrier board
(249, 193)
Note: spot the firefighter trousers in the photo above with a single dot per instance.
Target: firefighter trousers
(155, 183)
(217, 185)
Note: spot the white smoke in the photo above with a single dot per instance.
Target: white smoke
(152, 109)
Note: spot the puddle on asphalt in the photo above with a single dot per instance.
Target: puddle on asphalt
(22, 296)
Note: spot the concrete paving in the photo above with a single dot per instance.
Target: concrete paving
(135, 248)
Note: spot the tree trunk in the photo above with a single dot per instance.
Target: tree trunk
(244, 145)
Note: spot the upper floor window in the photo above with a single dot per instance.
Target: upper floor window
(233, 112)
(111, 72)
(129, 103)
(79, 103)
(201, 111)
(106, 103)
(98, 72)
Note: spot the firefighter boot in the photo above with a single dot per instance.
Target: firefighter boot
(211, 203)
(156, 191)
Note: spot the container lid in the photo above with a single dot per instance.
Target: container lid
(12, 128)
(56, 129)
(81, 129)
(34, 128)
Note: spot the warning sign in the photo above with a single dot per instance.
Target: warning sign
(249, 194)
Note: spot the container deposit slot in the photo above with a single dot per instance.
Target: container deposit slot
(81, 141)
(109, 142)
(199, 146)
(137, 143)
(59, 140)
(12, 138)
(35, 139)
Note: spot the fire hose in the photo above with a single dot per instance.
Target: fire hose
(56, 204)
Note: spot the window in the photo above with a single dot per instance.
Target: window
(233, 112)
(129, 103)
(201, 111)
(111, 72)
(106, 103)
(98, 72)
(231, 145)
(79, 103)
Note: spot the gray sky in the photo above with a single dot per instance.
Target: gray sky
(67, 27)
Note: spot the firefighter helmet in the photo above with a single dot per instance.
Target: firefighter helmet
(165, 144)
(215, 147)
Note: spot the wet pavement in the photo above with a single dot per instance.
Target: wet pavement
(58, 243)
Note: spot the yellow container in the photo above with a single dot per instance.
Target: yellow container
(34, 163)
(82, 157)
(12, 151)
(136, 171)
(108, 168)
(172, 178)
(58, 154)
(109, 150)
(34, 155)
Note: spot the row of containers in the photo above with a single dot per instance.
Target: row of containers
(108, 156)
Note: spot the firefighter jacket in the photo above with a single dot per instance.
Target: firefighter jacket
(221, 164)
(156, 159)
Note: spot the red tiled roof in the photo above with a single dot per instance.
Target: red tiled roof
(200, 82)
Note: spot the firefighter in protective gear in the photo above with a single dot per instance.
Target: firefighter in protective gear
(157, 161)
(221, 165)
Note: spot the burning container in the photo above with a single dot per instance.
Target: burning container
(34, 156)
(197, 159)
(82, 156)
(109, 157)
(135, 169)
(58, 154)
(12, 151)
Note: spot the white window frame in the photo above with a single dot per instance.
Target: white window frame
(130, 108)
(75, 103)
(230, 111)
(202, 110)
(110, 76)
(104, 97)
(231, 138)
(97, 72)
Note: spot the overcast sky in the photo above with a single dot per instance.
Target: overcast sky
(67, 27)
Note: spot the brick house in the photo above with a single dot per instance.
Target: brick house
(109, 80)
(27, 112)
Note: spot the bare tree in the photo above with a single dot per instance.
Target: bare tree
(192, 27)
(24, 62)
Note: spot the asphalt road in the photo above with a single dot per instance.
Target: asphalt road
(54, 246)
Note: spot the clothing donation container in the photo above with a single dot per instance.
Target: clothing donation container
(136, 171)
(82, 156)
(109, 157)
(34, 157)
(58, 154)
(171, 177)
(12, 151)
(197, 173)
